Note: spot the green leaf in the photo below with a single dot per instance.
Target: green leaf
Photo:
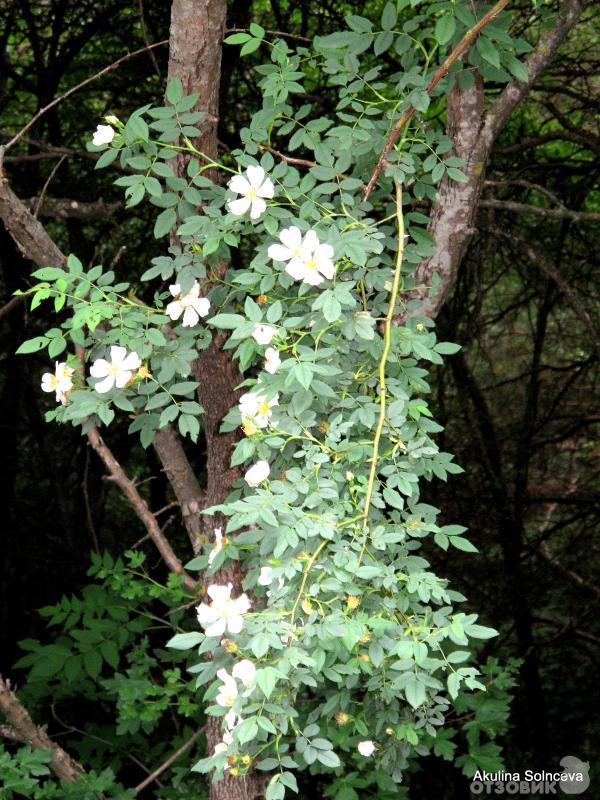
(49, 274)
(266, 680)
(92, 661)
(110, 653)
(516, 67)
(328, 758)
(164, 222)
(389, 17)
(445, 28)
(250, 46)
(256, 30)
(332, 308)
(415, 692)
(185, 641)
(174, 91)
(227, 321)
(32, 345)
(488, 51)
(463, 544)
(247, 730)
(237, 38)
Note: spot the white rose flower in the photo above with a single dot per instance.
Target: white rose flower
(118, 371)
(366, 748)
(60, 382)
(253, 187)
(218, 546)
(272, 360)
(307, 259)
(245, 671)
(264, 334)
(228, 691)
(191, 305)
(256, 409)
(225, 612)
(266, 576)
(223, 745)
(257, 473)
(104, 134)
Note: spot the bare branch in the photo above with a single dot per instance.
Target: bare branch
(25, 730)
(545, 552)
(171, 760)
(74, 89)
(184, 482)
(65, 208)
(140, 507)
(548, 213)
(538, 260)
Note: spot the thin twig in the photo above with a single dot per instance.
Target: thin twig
(8, 307)
(47, 184)
(145, 38)
(166, 764)
(74, 89)
(548, 213)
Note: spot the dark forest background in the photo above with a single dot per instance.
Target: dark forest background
(519, 402)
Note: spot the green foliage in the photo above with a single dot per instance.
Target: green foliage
(355, 625)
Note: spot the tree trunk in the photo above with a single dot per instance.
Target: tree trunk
(195, 45)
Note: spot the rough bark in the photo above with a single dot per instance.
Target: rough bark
(195, 46)
(453, 215)
(24, 729)
(183, 480)
(27, 232)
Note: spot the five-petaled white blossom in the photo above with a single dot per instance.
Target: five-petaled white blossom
(256, 409)
(245, 671)
(366, 748)
(254, 187)
(308, 260)
(228, 690)
(224, 613)
(118, 371)
(272, 360)
(264, 334)
(266, 576)
(104, 134)
(257, 473)
(59, 382)
(218, 546)
(191, 305)
(223, 745)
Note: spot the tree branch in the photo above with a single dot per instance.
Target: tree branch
(464, 44)
(184, 482)
(23, 729)
(65, 208)
(548, 213)
(545, 552)
(539, 261)
(36, 245)
(542, 55)
(171, 760)
(137, 502)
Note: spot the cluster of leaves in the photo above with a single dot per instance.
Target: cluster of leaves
(355, 624)
(108, 656)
